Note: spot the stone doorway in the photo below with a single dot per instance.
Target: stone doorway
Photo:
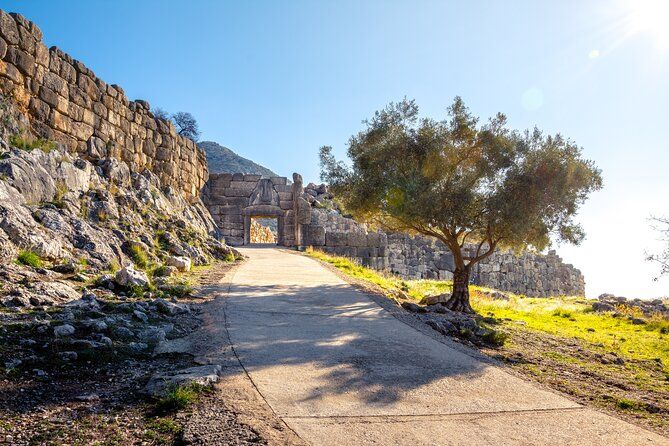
(264, 231)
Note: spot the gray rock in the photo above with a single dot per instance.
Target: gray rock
(160, 383)
(141, 316)
(123, 333)
(128, 276)
(167, 307)
(63, 331)
(138, 347)
(68, 356)
(181, 263)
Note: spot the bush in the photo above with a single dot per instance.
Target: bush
(29, 258)
(494, 338)
(229, 257)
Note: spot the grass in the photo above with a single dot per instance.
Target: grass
(28, 143)
(565, 317)
(29, 258)
(572, 317)
(58, 199)
(180, 397)
(139, 256)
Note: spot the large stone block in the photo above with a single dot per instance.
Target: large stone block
(8, 28)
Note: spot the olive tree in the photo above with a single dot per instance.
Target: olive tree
(476, 187)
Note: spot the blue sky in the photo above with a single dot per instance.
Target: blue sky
(276, 80)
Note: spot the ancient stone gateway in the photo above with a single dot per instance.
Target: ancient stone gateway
(234, 199)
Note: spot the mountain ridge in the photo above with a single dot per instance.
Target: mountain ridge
(221, 159)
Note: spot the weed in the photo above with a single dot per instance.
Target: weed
(178, 290)
(138, 256)
(61, 190)
(229, 257)
(627, 404)
(29, 258)
(180, 397)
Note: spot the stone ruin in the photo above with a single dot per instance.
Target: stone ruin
(306, 216)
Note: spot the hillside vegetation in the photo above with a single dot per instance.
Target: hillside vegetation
(616, 360)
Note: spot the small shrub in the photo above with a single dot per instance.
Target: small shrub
(113, 267)
(139, 256)
(631, 311)
(29, 258)
(229, 257)
(494, 338)
(659, 323)
(161, 240)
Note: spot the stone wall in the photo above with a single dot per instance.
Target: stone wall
(66, 102)
(334, 234)
(531, 274)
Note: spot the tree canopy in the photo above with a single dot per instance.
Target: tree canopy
(476, 187)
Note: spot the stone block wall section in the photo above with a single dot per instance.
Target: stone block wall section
(66, 102)
(530, 274)
(334, 234)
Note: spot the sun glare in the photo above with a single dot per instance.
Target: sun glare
(652, 17)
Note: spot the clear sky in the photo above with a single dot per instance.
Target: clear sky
(275, 80)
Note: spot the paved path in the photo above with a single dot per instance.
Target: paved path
(340, 370)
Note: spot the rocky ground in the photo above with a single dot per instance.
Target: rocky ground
(95, 371)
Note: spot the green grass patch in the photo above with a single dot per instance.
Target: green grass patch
(28, 143)
(139, 256)
(180, 397)
(29, 258)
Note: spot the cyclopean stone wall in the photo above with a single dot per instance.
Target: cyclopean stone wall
(532, 274)
(334, 234)
(66, 102)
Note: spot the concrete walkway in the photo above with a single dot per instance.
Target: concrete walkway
(340, 370)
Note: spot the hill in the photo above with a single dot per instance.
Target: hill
(223, 160)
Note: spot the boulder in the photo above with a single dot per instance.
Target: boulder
(128, 276)
(181, 263)
(160, 383)
(63, 331)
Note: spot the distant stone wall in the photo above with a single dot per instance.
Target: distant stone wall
(66, 102)
(531, 274)
(334, 234)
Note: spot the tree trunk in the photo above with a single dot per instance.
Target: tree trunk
(459, 300)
